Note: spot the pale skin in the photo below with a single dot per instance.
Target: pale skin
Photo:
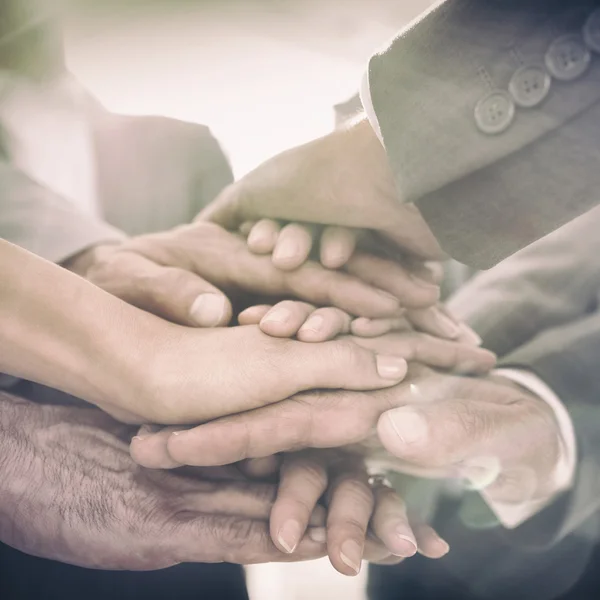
(342, 179)
(152, 364)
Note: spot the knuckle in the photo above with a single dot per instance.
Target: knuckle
(312, 474)
(346, 352)
(354, 490)
(244, 541)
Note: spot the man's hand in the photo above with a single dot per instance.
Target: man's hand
(491, 432)
(342, 179)
(183, 275)
(70, 492)
(487, 430)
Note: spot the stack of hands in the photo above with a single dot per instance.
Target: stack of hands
(290, 362)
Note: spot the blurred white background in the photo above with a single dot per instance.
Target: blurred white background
(264, 75)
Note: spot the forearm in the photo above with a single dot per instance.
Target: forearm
(59, 330)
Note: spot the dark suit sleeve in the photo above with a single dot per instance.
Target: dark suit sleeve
(486, 195)
(567, 359)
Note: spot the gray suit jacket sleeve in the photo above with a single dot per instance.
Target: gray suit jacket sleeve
(566, 359)
(43, 223)
(487, 196)
(539, 311)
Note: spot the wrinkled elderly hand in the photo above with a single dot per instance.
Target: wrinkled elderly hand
(342, 179)
(70, 492)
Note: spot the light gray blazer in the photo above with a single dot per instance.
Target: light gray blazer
(486, 195)
(153, 173)
(539, 310)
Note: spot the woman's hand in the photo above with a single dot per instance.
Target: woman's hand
(364, 255)
(365, 518)
(310, 324)
(65, 333)
(184, 375)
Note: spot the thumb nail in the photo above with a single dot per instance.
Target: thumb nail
(391, 367)
(208, 310)
(469, 336)
(409, 425)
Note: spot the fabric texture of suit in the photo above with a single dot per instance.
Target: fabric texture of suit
(487, 196)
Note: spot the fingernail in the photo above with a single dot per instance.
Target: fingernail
(466, 367)
(351, 555)
(318, 534)
(405, 546)
(146, 431)
(447, 326)
(259, 236)
(428, 285)
(436, 270)
(277, 315)
(208, 309)
(391, 367)
(286, 250)
(442, 546)
(468, 336)
(289, 535)
(409, 425)
(314, 324)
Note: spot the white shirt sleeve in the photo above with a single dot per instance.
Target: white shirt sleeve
(365, 98)
(513, 515)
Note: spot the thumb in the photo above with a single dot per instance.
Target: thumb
(174, 294)
(226, 209)
(443, 434)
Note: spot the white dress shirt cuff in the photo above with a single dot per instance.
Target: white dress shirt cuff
(365, 98)
(513, 515)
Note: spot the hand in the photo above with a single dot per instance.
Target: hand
(291, 246)
(183, 274)
(70, 492)
(311, 420)
(185, 375)
(341, 179)
(366, 520)
(492, 432)
(311, 324)
(489, 431)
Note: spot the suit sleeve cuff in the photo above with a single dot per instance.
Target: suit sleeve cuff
(513, 515)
